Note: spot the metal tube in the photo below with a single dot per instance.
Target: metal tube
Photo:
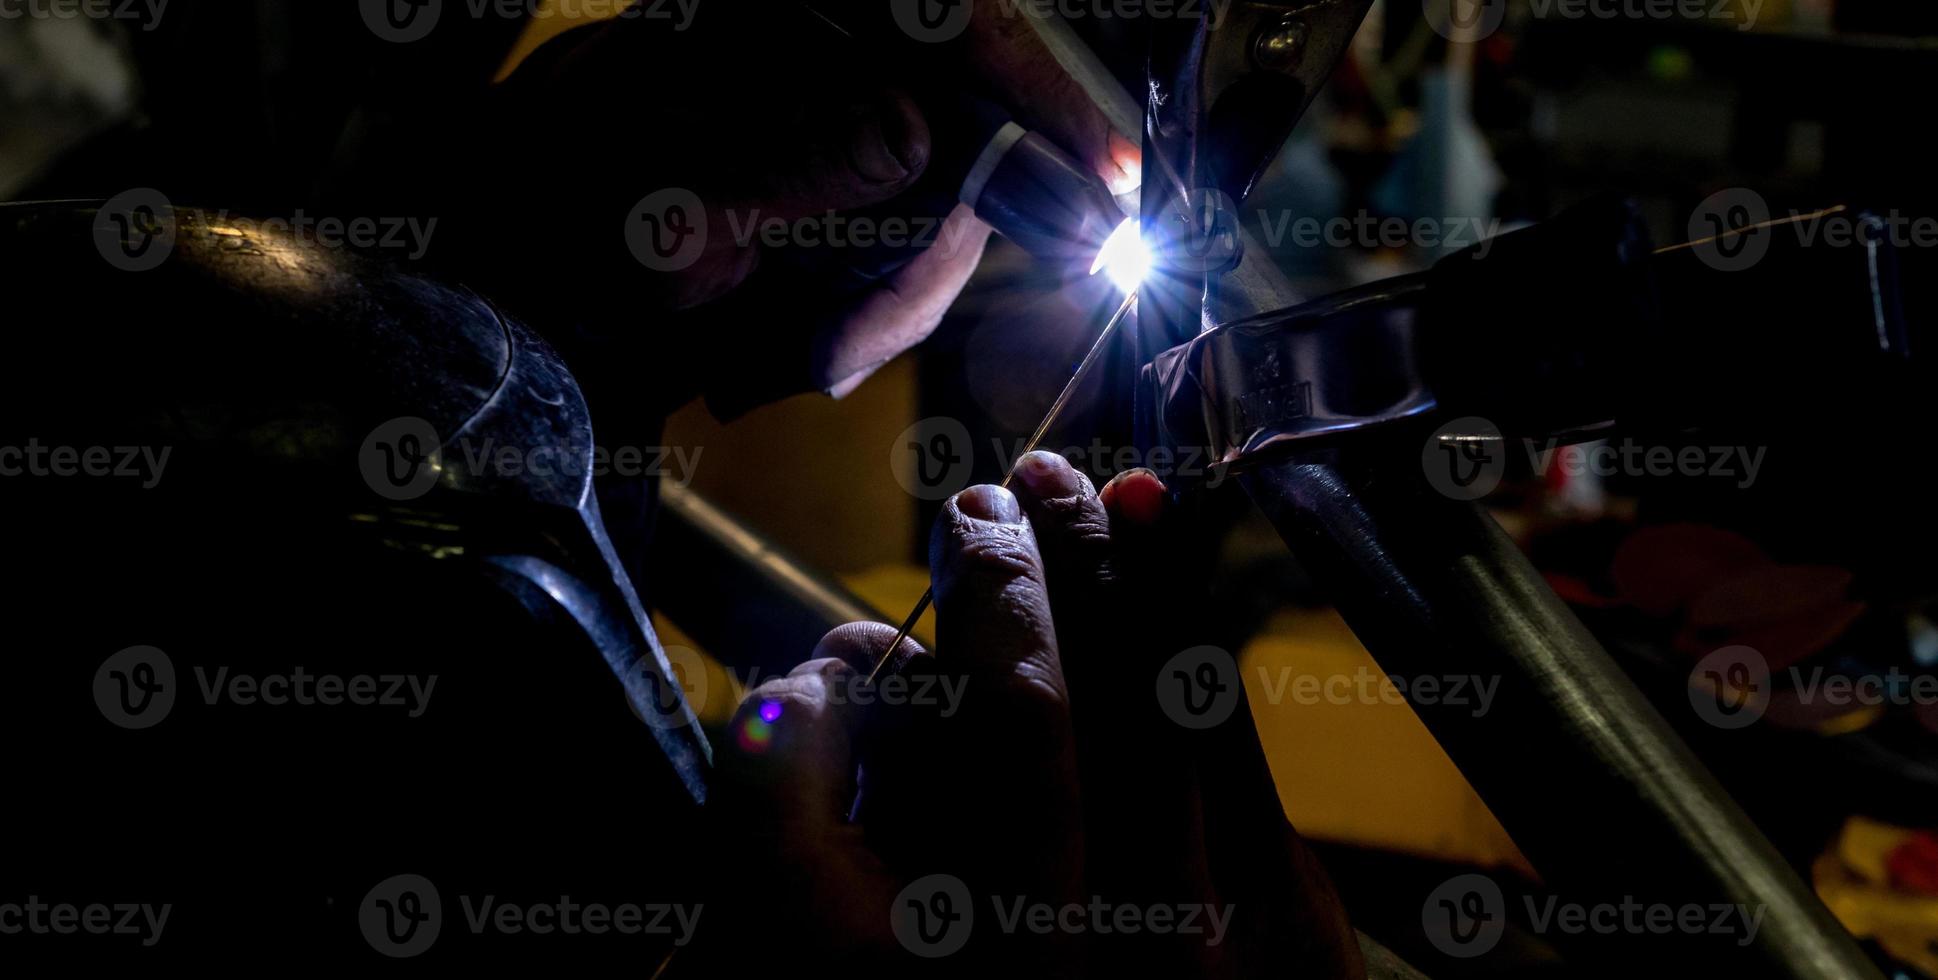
(1590, 780)
(738, 594)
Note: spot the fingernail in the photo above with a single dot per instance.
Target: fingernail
(882, 147)
(990, 503)
(1048, 475)
(1135, 495)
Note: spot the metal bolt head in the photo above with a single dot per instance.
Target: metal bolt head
(1280, 46)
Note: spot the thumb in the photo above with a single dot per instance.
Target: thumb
(785, 780)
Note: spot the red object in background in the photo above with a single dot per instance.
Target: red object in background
(1756, 596)
(1660, 569)
(1913, 865)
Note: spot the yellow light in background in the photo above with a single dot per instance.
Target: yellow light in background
(1124, 258)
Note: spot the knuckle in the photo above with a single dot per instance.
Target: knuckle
(799, 694)
(996, 555)
(826, 669)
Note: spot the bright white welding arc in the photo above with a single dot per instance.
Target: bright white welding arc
(1124, 257)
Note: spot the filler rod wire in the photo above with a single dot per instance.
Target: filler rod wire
(1036, 438)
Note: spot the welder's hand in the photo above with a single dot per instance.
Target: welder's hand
(717, 148)
(958, 809)
(1173, 813)
(1050, 778)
